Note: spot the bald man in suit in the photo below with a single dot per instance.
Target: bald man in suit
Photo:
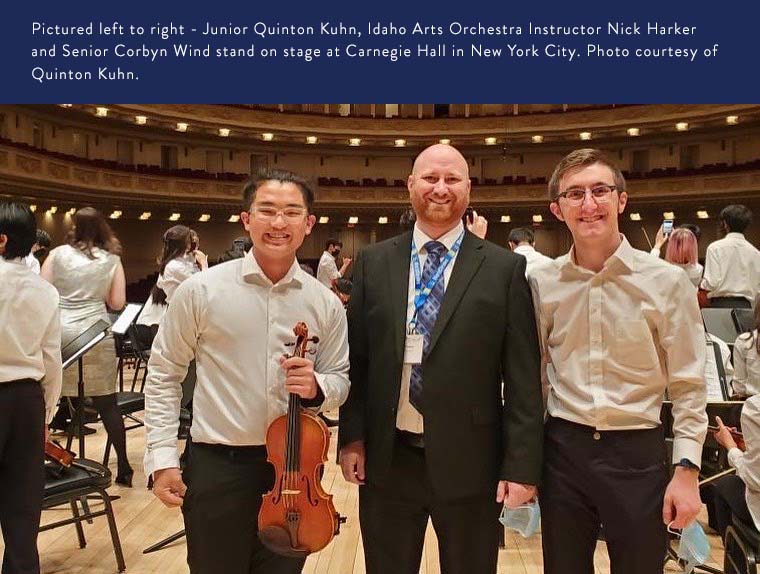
(444, 418)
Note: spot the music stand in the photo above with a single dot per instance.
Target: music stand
(73, 352)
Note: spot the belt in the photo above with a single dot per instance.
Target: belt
(581, 429)
(241, 453)
(18, 382)
(413, 439)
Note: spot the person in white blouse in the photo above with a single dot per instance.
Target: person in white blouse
(732, 264)
(236, 320)
(746, 382)
(30, 382)
(618, 328)
(739, 494)
(327, 270)
(522, 240)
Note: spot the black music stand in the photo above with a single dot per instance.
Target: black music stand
(73, 352)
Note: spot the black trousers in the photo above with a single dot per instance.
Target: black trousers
(730, 498)
(611, 478)
(221, 509)
(730, 303)
(22, 473)
(394, 518)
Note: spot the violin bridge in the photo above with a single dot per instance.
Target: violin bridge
(290, 492)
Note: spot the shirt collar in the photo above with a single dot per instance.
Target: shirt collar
(524, 249)
(17, 260)
(625, 254)
(251, 271)
(735, 235)
(448, 238)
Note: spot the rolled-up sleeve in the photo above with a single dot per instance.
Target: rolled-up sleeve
(171, 354)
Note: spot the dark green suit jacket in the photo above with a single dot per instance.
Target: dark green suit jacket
(477, 431)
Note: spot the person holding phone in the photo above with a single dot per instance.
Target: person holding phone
(476, 224)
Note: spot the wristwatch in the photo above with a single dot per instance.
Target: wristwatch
(686, 463)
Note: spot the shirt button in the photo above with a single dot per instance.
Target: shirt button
(597, 436)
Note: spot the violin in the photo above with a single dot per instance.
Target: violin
(56, 453)
(297, 516)
(736, 435)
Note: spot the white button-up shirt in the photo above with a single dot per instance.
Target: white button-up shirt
(533, 257)
(617, 340)
(236, 324)
(732, 268)
(746, 365)
(407, 417)
(327, 270)
(30, 330)
(747, 463)
(175, 272)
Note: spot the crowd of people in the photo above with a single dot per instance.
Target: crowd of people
(468, 377)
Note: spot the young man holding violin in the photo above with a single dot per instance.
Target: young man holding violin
(619, 328)
(444, 416)
(236, 320)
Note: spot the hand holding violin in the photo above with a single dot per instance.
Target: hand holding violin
(300, 379)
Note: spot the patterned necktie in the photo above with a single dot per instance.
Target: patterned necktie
(427, 315)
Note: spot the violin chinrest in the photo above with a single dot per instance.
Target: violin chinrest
(277, 540)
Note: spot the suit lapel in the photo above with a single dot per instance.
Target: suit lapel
(468, 261)
(399, 258)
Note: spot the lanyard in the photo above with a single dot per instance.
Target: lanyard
(422, 293)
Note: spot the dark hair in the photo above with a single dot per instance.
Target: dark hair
(18, 225)
(91, 230)
(343, 285)
(695, 229)
(520, 235)
(43, 238)
(583, 158)
(407, 219)
(736, 217)
(281, 175)
(240, 246)
(176, 240)
(334, 242)
(194, 239)
(755, 333)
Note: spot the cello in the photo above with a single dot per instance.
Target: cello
(297, 516)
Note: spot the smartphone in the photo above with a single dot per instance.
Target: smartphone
(467, 217)
(667, 226)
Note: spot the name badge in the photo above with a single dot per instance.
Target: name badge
(413, 348)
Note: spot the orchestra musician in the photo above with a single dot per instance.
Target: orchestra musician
(235, 320)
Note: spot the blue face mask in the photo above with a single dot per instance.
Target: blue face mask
(693, 547)
(525, 519)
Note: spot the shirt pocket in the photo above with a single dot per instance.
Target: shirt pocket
(633, 345)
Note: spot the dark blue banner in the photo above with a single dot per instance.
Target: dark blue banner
(286, 52)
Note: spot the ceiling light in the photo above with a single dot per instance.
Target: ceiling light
(224, 132)
(382, 220)
(444, 141)
(324, 219)
(490, 141)
(538, 218)
(65, 105)
(181, 127)
(399, 143)
(702, 214)
(682, 126)
(234, 218)
(174, 217)
(633, 132)
(585, 136)
(506, 219)
(101, 112)
(204, 217)
(115, 214)
(267, 137)
(668, 215)
(145, 215)
(353, 220)
(537, 139)
(354, 142)
(33, 208)
(141, 120)
(635, 216)
(732, 120)
(311, 139)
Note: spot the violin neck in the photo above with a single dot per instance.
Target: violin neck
(293, 452)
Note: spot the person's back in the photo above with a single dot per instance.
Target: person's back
(522, 241)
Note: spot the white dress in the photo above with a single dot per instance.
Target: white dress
(84, 284)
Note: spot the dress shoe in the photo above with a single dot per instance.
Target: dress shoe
(125, 478)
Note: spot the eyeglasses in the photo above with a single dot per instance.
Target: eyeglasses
(291, 214)
(576, 195)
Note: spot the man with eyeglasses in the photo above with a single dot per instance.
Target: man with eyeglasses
(619, 329)
(236, 320)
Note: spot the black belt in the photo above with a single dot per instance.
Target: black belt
(241, 453)
(413, 439)
(19, 382)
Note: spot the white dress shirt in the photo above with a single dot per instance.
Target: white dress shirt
(533, 257)
(732, 268)
(175, 272)
(30, 330)
(152, 313)
(327, 270)
(236, 324)
(617, 340)
(31, 262)
(407, 417)
(747, 463)
(746, 365)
